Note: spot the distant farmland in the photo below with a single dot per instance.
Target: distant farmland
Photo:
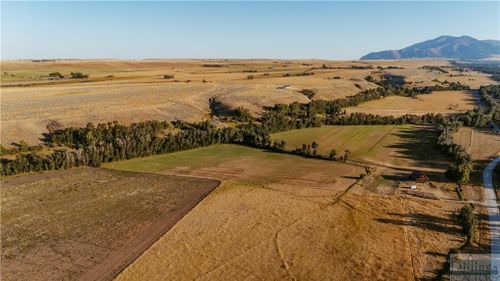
(444, 102)
(132, 91)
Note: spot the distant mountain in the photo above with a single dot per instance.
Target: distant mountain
(446, 47)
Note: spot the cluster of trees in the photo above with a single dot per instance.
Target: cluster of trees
(168, 76)
(305, 73)
(435, 68)
(214, 65)
(491, 97)
(479, 117)
(242, 114)
(93, 145)
(393, 85)
(462, 162)
(78, 75)
(359, 118)
(309, 150)
(56, 75)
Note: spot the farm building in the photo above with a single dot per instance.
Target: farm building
(419, 176)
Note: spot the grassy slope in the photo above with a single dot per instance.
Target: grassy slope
(401, 145)
(194, 159)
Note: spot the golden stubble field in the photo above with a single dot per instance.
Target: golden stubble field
(281, 217)
(132, 91)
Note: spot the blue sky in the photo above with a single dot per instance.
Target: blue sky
(323, 30)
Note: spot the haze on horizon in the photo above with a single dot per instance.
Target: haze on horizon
(280, 30)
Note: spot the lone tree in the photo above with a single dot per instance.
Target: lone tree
(315, 145)
(333, 154)
(468, 221)
(347, 152)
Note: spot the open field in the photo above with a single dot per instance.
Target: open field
(444, 102)
(396, 146)
(283, 217)
(481, 144)
(88, 223)
(131, 91)
(243, 163)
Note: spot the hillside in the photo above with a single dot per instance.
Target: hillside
(445, 47)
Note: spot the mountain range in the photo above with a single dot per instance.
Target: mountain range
(445, 47)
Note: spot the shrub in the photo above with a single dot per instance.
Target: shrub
(56, 75)
(78, 75)
(168, 76)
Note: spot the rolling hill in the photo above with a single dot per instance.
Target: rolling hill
(447, 47)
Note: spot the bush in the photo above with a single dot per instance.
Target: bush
(56, 75)
(250, 77)
(168, 76)
(78, 75)
(242, 114)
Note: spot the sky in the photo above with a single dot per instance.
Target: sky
(281, 30)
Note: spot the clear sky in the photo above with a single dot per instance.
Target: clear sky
(326, 30)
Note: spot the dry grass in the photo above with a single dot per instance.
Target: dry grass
(281, 217)
(402, 146)
(444, 102)
(481, 144)
(137, 90)
(60, 225)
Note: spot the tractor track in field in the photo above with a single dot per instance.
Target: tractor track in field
(118, 260)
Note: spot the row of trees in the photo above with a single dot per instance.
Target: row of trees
(462, 163)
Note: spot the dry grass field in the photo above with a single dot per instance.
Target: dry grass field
(481, 144)
(444, 102)
(87, 223)
(131, 91)
(282, 217)
(396, 146)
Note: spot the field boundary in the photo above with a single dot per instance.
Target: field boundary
(120, 259)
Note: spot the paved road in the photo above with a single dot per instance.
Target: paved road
(490, 201)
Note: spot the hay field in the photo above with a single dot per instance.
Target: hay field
(283, 217)
(134, 90)
(234, 162)
(87, 223)
(444, 102)
(481, 144)
(396, 146)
